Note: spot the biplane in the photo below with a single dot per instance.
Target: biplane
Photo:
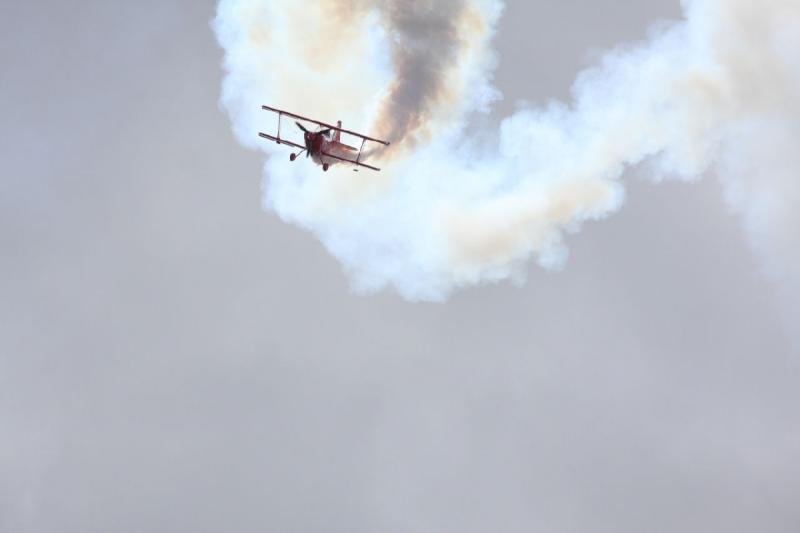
(324, 146)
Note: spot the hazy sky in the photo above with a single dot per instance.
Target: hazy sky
(172, 358)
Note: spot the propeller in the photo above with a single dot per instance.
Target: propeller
(306, 137)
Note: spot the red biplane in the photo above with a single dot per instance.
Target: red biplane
(324, 145)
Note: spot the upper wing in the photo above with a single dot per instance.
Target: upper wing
(281, 141)
(324, 125)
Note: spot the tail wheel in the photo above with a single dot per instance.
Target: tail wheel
(325, 167)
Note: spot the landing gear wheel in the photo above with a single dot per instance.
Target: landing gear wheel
(325, 167)
(292, 157)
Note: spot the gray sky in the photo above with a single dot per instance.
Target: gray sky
(172, 358)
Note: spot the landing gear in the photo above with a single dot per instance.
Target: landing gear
(325, 167)
(292, 157)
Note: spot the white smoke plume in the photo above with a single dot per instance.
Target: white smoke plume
(717, 92)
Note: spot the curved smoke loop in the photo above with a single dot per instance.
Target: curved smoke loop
(715, 91)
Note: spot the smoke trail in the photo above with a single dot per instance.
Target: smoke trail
(717, 91)
(430, 42)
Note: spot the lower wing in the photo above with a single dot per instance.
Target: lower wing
(281, 141)
(356, 162)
